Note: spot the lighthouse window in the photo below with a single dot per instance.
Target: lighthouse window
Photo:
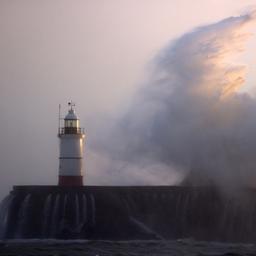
(72, 123)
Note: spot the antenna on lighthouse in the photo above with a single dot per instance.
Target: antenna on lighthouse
(59, 118)
(71, 104)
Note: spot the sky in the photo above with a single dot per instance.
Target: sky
(96, 53)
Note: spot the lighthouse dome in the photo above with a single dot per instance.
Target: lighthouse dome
(71, 115)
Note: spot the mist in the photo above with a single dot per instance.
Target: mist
(190, 122)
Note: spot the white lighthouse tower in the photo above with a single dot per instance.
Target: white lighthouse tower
(71, 150)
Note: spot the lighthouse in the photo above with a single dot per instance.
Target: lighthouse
(71, 145)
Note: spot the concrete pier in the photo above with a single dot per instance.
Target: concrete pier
(127, 213)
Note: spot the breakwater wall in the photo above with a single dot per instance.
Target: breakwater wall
(127, 213)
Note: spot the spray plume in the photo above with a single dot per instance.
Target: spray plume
(189, 119)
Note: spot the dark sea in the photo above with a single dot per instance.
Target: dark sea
(134, 248)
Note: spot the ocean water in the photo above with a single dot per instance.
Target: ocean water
(182, 247)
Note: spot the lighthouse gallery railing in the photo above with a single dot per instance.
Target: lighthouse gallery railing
(71, 130)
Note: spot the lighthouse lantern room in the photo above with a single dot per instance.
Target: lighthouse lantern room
(71, 150)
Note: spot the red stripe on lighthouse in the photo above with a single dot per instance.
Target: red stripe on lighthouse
(71, 181)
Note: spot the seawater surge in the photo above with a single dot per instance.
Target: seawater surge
(128, 213)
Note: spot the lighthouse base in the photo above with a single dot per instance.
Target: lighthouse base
(70, 180)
